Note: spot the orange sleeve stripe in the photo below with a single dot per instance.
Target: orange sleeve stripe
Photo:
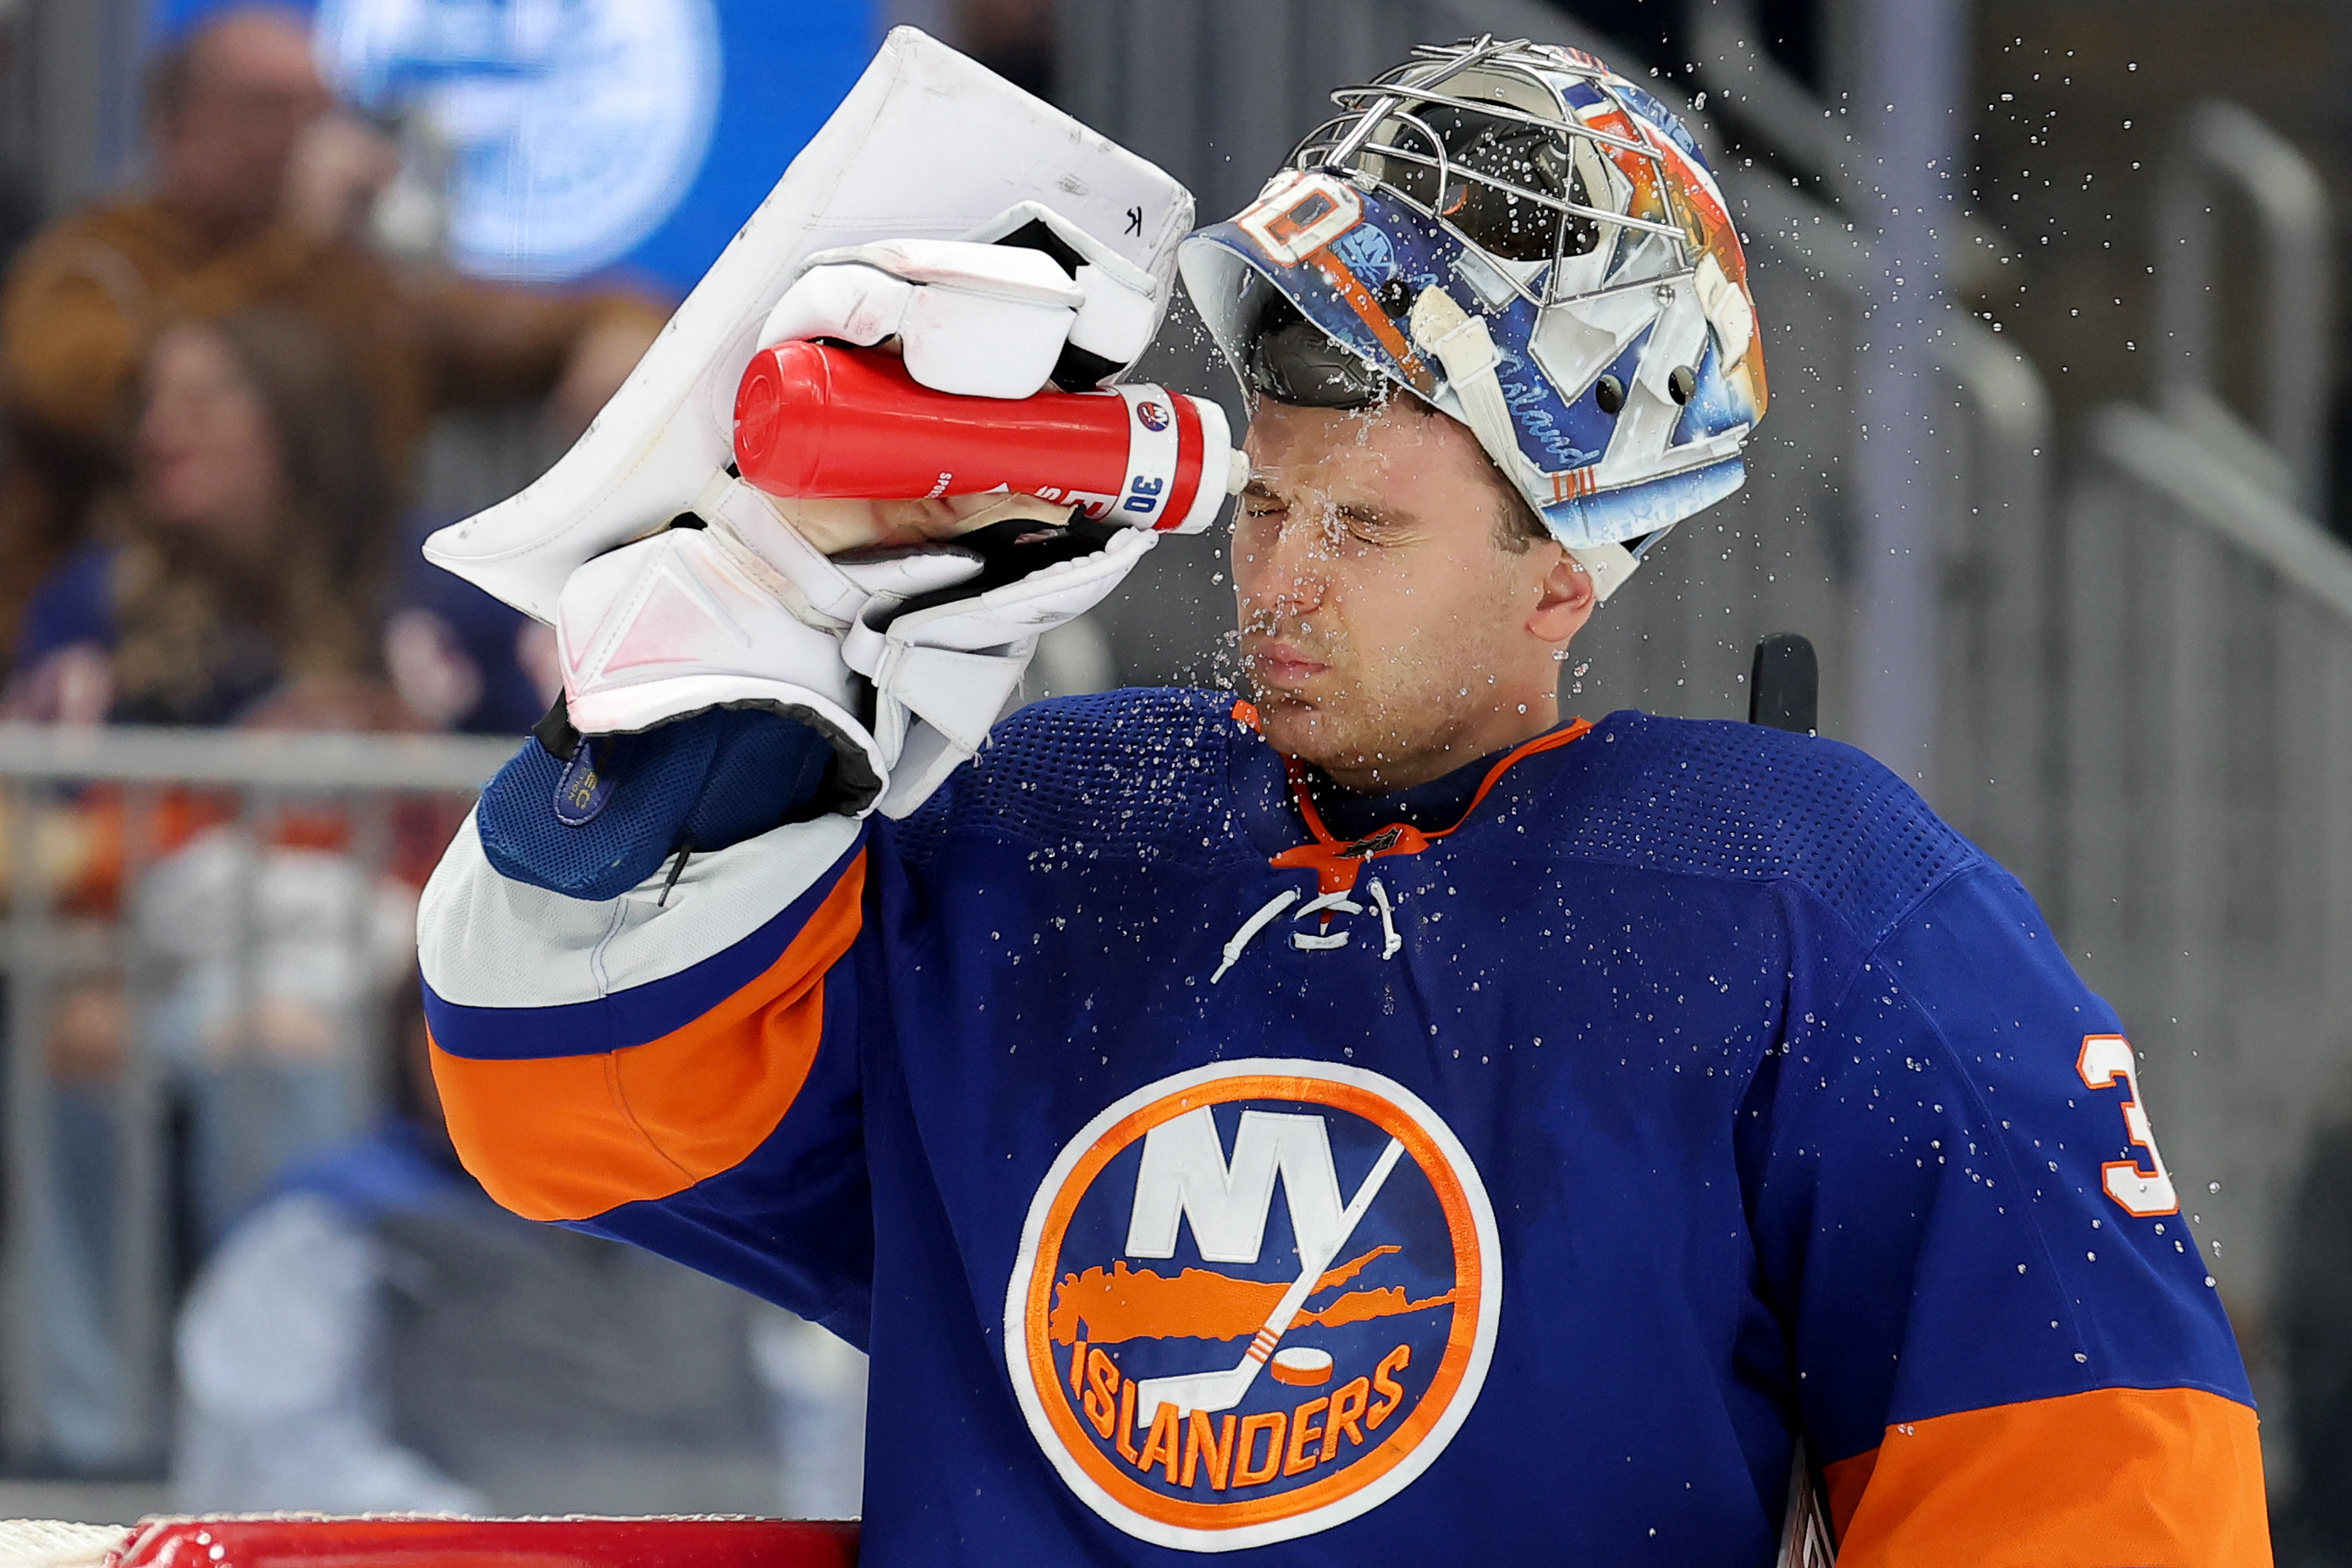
(570, 1137)
(2163, 1477)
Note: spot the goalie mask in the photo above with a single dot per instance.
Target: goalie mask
(1534, 245)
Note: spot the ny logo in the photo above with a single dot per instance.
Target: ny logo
(1185, 1176)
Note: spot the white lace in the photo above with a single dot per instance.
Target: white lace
(1339, 901)
(1314, 942)
(1251, 927)
(1390, 940)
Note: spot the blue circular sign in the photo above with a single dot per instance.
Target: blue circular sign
(575, 127)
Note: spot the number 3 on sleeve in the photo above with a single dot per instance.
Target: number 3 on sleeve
(2143, 1194)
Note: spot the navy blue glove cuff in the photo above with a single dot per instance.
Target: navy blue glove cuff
(596, 823)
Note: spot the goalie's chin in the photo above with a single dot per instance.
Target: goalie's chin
(1296, 725)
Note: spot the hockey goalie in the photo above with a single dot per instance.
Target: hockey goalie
(1365, 1117)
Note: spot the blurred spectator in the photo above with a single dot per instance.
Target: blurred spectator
(241, 577)
(260, 189)
(379, 1334)
(460, 659)
(268, 961)
(82, 1385)
(243, 565)
(1015, 38)
(239, 583)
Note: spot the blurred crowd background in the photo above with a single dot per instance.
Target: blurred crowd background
(286, 287)
(2053, 476)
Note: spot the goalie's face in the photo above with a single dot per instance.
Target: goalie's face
(1394, 623)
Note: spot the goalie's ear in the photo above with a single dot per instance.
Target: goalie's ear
(1565, 596)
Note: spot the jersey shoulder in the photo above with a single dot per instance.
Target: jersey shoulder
(1717, 798)
(1139, 773)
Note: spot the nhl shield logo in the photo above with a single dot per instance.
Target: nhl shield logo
(1253, 1301)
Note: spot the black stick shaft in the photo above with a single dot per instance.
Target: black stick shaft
(1784, 685)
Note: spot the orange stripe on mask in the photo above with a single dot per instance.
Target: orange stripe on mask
(1351, 291)
(2168, 1476)
(570, 1137)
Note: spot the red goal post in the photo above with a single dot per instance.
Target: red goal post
(297, 1541)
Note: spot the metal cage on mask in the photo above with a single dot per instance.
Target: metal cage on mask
(1514, 184)
(1606, 353)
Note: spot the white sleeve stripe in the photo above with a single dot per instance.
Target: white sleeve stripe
(486, 941)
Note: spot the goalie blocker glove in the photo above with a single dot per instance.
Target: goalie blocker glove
(727, 688)
(902, 663)
(721, 688)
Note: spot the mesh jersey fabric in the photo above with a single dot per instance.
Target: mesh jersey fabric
(1135, 773)
(1140, 772)
(1705, 797)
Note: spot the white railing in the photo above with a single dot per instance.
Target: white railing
(202, 937)
(2206, 883)
(2224, 149)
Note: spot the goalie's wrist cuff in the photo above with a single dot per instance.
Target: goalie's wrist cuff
(592, 816)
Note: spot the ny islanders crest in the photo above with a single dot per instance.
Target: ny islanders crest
(1253, 1301)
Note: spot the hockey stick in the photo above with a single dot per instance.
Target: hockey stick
(1784, 692)
(1784, 684)
(1223, 1390)
(1806, 1541)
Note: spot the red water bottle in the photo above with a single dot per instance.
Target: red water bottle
(813, 421)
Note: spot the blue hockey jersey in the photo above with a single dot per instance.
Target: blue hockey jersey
(1201, 1177)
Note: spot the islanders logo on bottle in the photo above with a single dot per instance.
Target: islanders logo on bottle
(1210, 1368)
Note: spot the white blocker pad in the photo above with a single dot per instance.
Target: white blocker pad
(971, 317)
(927, 145)
(979, 321)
